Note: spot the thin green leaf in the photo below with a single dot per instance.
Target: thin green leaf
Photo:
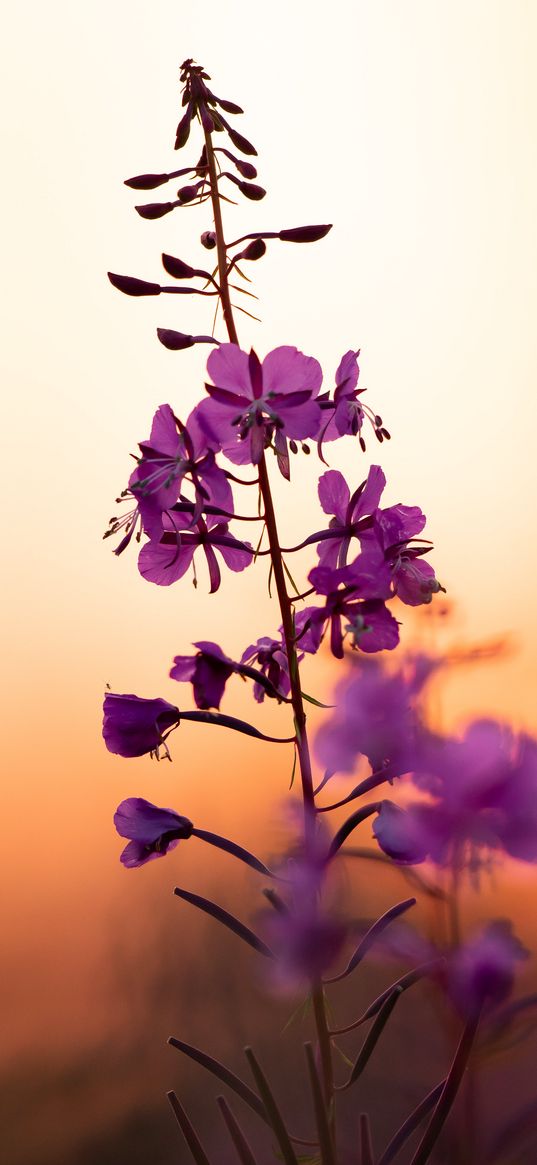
(273, 1113)
(226, 919)
(189, 1133)
(246, 313)
(290, 577)
(321, 1116)
(270, 573)
(224, 1074)
(317, 703)
(258, 547)
(294, 768)
(241, 273)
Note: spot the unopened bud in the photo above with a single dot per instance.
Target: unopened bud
(229, 106)
(155, 209)
(187, 193)
(208, 240)
(255, 250)
(304, 234)
(206, 119)
(176, 268)
(130, 286)
(146, 181)
(183, 129)
(175, 341)
(241, 143)
(251, 191)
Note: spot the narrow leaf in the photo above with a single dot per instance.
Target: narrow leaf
(410, 1125)
(372, 935)
(321, 1116)
(231, 847)
(318, 703)
(373, 1036)
(366, 1141)
(273, 1113)
(226, 919)
(244, 1152)
(222, 1073)
(350, 824)
(197, 1152)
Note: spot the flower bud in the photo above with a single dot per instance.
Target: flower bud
(183, 129)
(176, 268)
(175, 341)
(250, 190)
(255, 250)
(146, 181)
(155, 209)
(241, 143)
(130, 286)
(229, 106)
(304, 234)
(208, 240)
(188, 193)
(206, 119)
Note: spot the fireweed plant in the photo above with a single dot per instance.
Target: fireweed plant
(474, 796)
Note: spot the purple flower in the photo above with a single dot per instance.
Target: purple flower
(481, 973)
(350, 513)
(414, 579)
(251, 403)
(483, 795)
(374, 717)
(133, 726)
(173, 452)
(270, 657)
(168, 555)
(305, 938)
(208, 672)
(346, 414)
(152, 831)
(366, 583)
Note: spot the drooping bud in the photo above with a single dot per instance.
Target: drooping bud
(208, 240)
(244, 168)
(229, 106)
(188, 193)
(177, 341)
(130, 286)
(255, 250)
(183, 129)
(304, 234)
(155, 209)
(146, 181)
(176, 268)
(206, 119)
(241, 143)
(250, 190)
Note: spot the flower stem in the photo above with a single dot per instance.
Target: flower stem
(285, 604)
(448, 1093)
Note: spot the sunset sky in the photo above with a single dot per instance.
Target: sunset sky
(410, 127)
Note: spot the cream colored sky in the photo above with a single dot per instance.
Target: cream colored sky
(410, 126)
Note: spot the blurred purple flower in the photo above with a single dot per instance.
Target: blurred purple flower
(208, 671)
(481, 972)
(305, 939)
(252, 402)
(169, 553)
(134, 726)
(374, 717)
(153, 831)
(483, 795)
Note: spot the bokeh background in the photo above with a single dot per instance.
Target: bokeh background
(409, 126)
